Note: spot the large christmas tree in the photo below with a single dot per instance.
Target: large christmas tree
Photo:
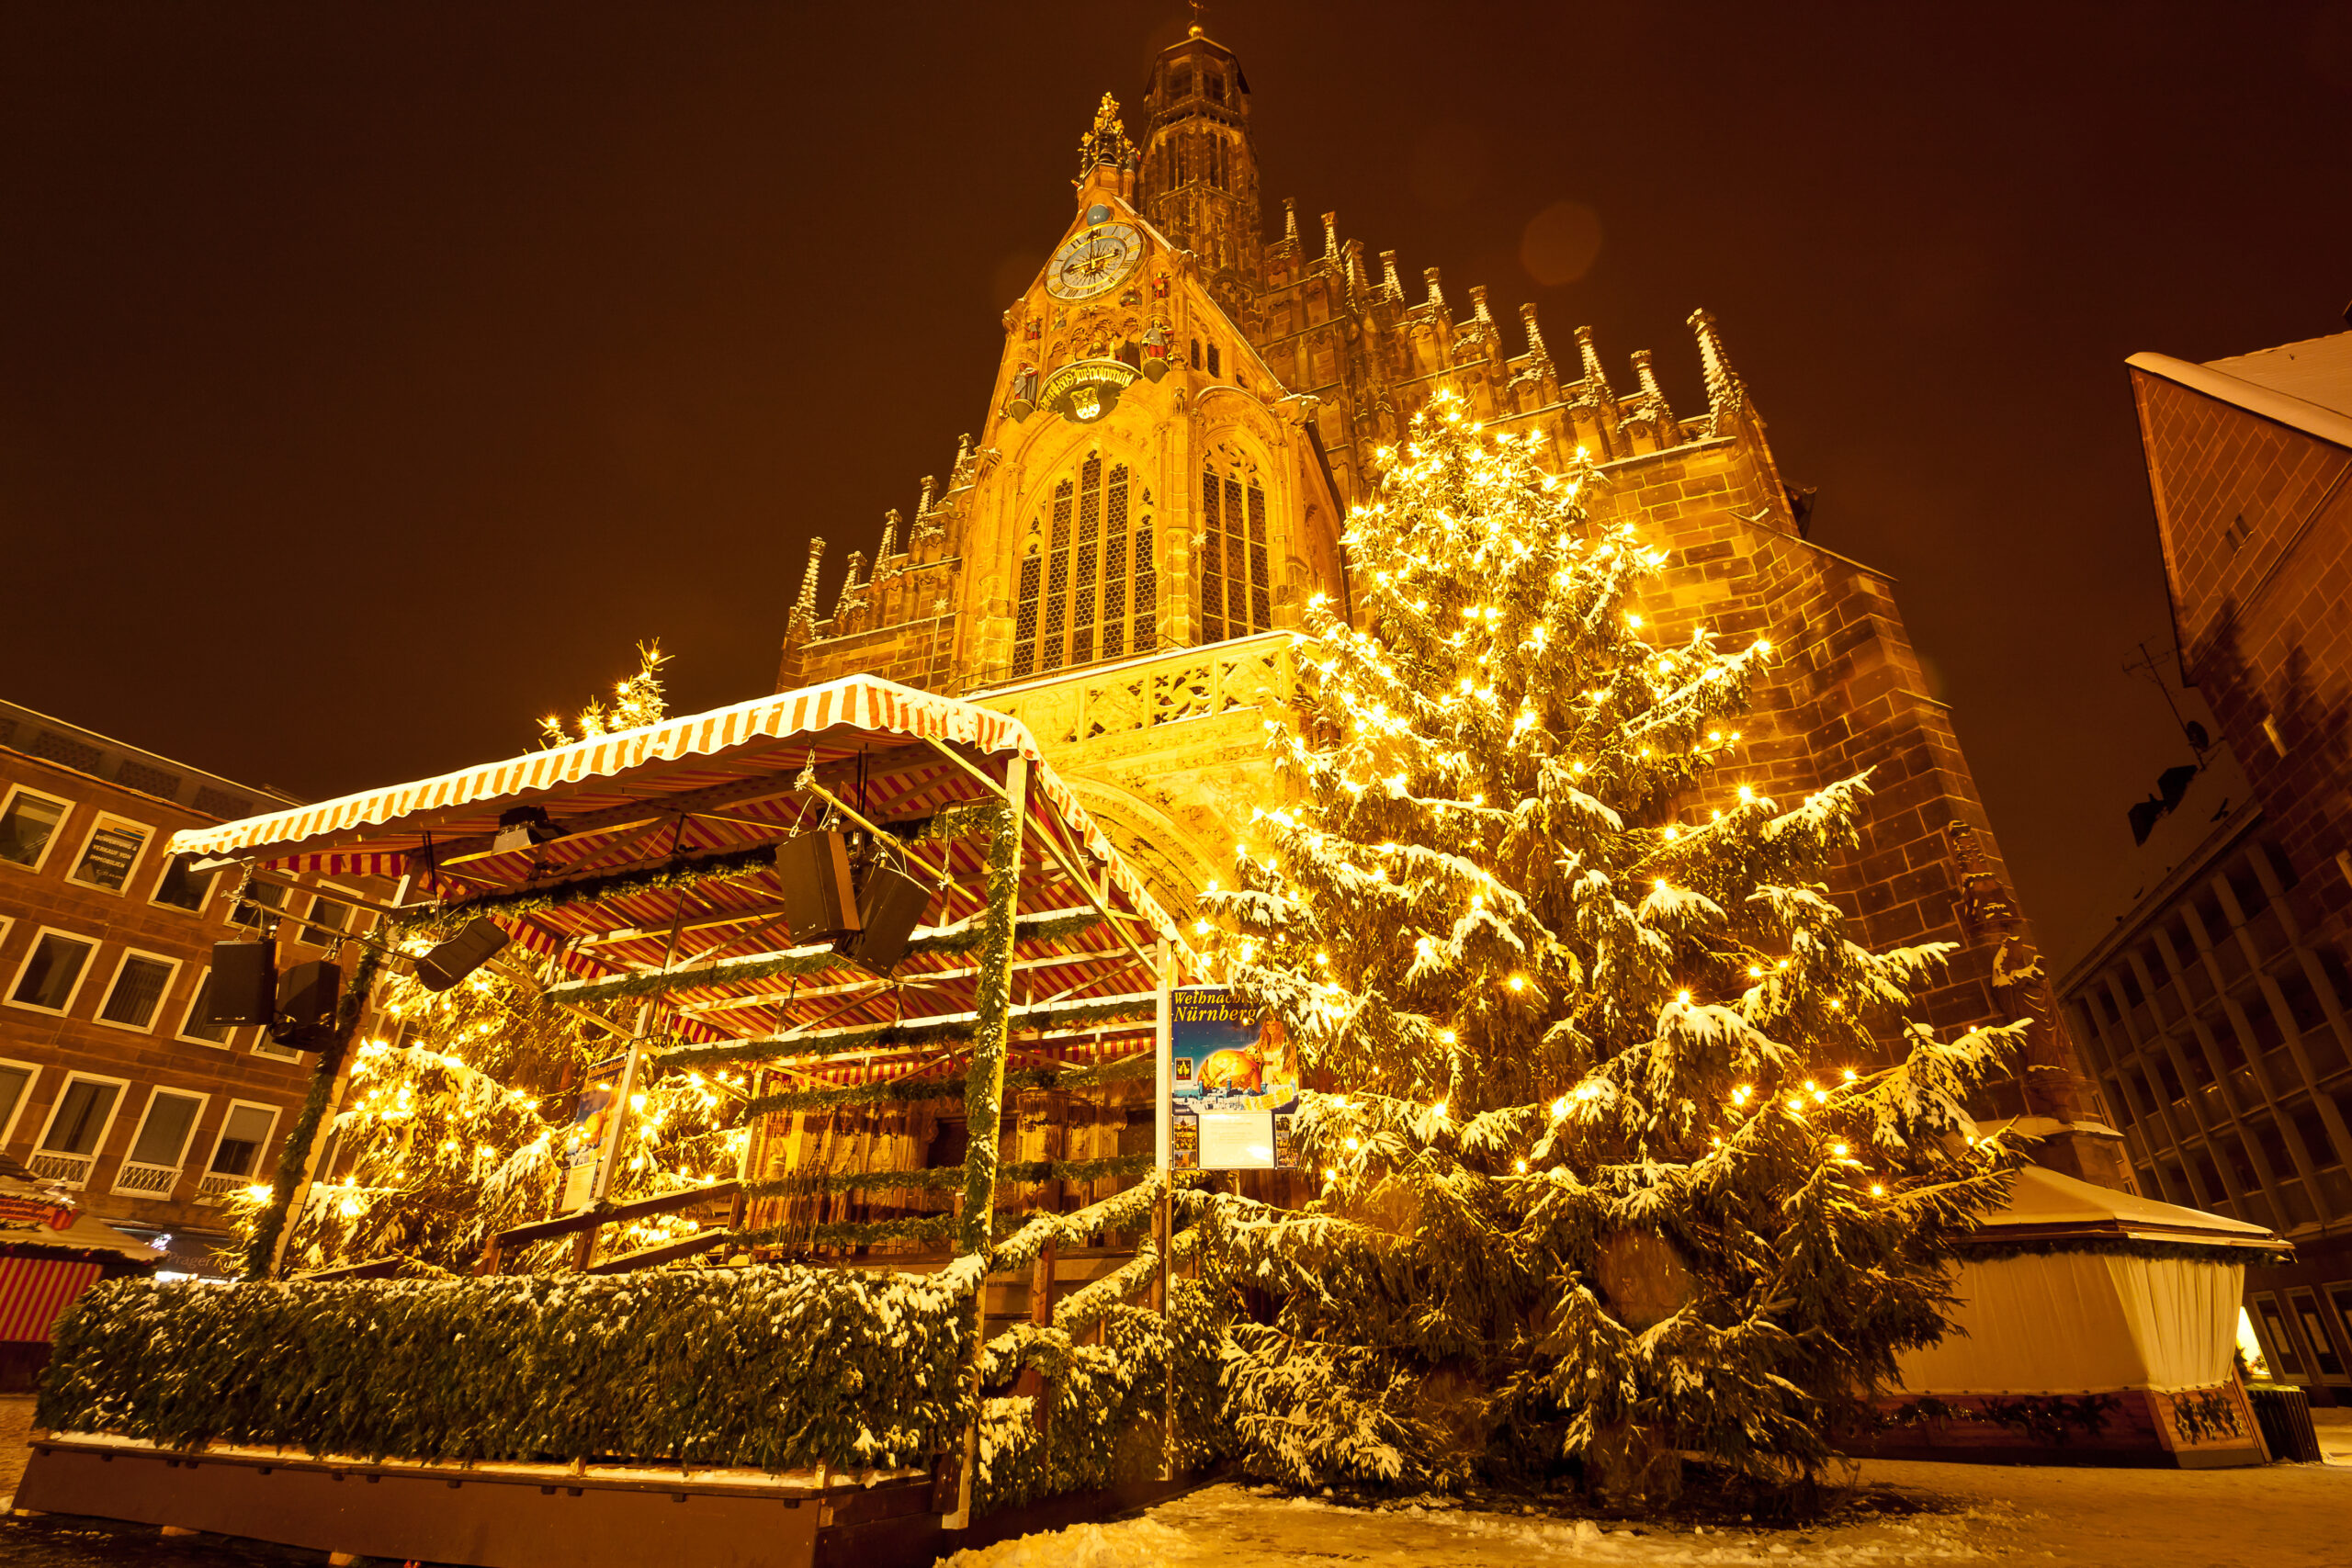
(1626, 1149)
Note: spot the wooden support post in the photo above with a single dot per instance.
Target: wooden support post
(984, 1091)
(1033, 1383)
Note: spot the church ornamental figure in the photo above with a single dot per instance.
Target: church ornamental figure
(1155, 350)
(1023, 401)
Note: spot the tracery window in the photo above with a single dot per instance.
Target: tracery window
(1236, 597)
(1087, 587)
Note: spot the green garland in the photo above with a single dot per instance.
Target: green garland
(946, 1178)
(1995, 1250)
(959, 938)
(886, 1036)
(908, 1091)
(727, 865)
(261, 1247)
(841, 1234)
(984, 1081)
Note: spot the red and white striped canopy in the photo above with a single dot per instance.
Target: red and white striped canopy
(724, 780)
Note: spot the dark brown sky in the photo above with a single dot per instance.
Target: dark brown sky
(372, 376)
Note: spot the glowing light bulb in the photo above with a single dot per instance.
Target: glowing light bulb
(1438, 1111)
(1518, 982)
(1740, 1095)
(1522, 1167)
(1559, 1108)
(1838, 1149)
(1878, 1189)
(1851, 1075)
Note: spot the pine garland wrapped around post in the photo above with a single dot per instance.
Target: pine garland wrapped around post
(1614, 1165)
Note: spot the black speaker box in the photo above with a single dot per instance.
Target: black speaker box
(307, 993)
(890, 907)
(820, 903)
(244, 984)
(461, 954)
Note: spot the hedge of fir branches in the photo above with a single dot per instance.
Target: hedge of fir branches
(766, 1368)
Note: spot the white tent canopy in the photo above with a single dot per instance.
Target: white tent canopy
(2091, 1318)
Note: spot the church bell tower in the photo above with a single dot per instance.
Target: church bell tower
(1200, 165)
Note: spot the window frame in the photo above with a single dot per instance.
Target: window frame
(154, 891)
(326, 937)
(48, 845)
(228, 1041)
(106, 1132)
(220, 1134)
(9, 997)
(163, 1000)
(148, 832)
(2309, 1314)
(2276, 1323)
(203, 1102)
(8, 1126)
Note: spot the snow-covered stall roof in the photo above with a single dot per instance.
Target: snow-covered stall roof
(2048, 1206)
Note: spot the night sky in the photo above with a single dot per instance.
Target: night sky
(372, 377)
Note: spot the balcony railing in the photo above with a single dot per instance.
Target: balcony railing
(146, 1180)
(1137, 694)
(218, 1184)
(71, 1170)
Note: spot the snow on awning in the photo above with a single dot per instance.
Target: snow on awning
(2047, 1205)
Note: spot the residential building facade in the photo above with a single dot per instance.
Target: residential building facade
(111, 1084)
(2222, 1004)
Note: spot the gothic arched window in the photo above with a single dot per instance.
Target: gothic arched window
(1237, 598)
(1089, 590)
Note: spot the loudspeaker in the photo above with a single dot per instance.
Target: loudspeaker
(306, 999)
(461, 954)
(890, 907)
(819, 904)
(244, 984)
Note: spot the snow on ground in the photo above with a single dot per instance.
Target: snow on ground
(2278, 1517)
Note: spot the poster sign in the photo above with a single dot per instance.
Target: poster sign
(1232, 1084)
(584, 1143)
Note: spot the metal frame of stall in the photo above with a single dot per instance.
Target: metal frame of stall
(641, 865)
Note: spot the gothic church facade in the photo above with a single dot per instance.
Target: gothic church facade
(1184, 411)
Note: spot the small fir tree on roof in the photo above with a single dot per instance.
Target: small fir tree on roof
(1613, 1161)
(637, 700)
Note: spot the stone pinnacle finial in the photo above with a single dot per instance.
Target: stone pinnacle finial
(1106, 141)
(805, 608)
(1331, 236)
(1354, 269)
(1652, 393)
(1290, 221)
(1437, 289)
(1725, 390)
(1594, 373)
(929, 488)
(889, 539)
(849, 599)
(1536, 350)
(1390, 283)
(1478, 304)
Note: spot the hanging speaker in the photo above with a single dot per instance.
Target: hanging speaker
(244, 984)
(306, 998)
(890, 907)
(818, 902)
(461, 954)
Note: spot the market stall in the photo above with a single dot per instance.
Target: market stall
(2095, 1328)
(839, 900)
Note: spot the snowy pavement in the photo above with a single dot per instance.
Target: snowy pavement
(2277, 1517)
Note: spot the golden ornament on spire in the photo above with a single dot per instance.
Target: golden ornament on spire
(1107, 143)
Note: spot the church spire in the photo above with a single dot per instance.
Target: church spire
(1200, 163)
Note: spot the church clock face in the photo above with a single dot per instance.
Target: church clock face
(1094, 262)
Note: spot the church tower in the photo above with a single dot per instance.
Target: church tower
(1180, 414)
(1200, 167)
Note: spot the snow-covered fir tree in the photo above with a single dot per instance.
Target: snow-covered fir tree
(1624, 1147)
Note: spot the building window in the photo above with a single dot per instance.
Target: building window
(183, 888)
(245, 1134)
(153, 1167)
(1236, 597)
(2277, 1341)
(16, 1080)
(1086, 581)
(77, 1128)
(1214, 369)
(27, 823)
(51, 972)
(140, 982)
(192, 1022)
(109, 853)
(327, 922)
(259, 901)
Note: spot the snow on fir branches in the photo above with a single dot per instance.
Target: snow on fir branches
(1626, 1148)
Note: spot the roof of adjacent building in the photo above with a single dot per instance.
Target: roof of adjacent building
(2307, 385)
(75, 746)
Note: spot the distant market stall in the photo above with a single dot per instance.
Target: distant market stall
(851, 895)
(50, 1251)
(2098, 1328)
